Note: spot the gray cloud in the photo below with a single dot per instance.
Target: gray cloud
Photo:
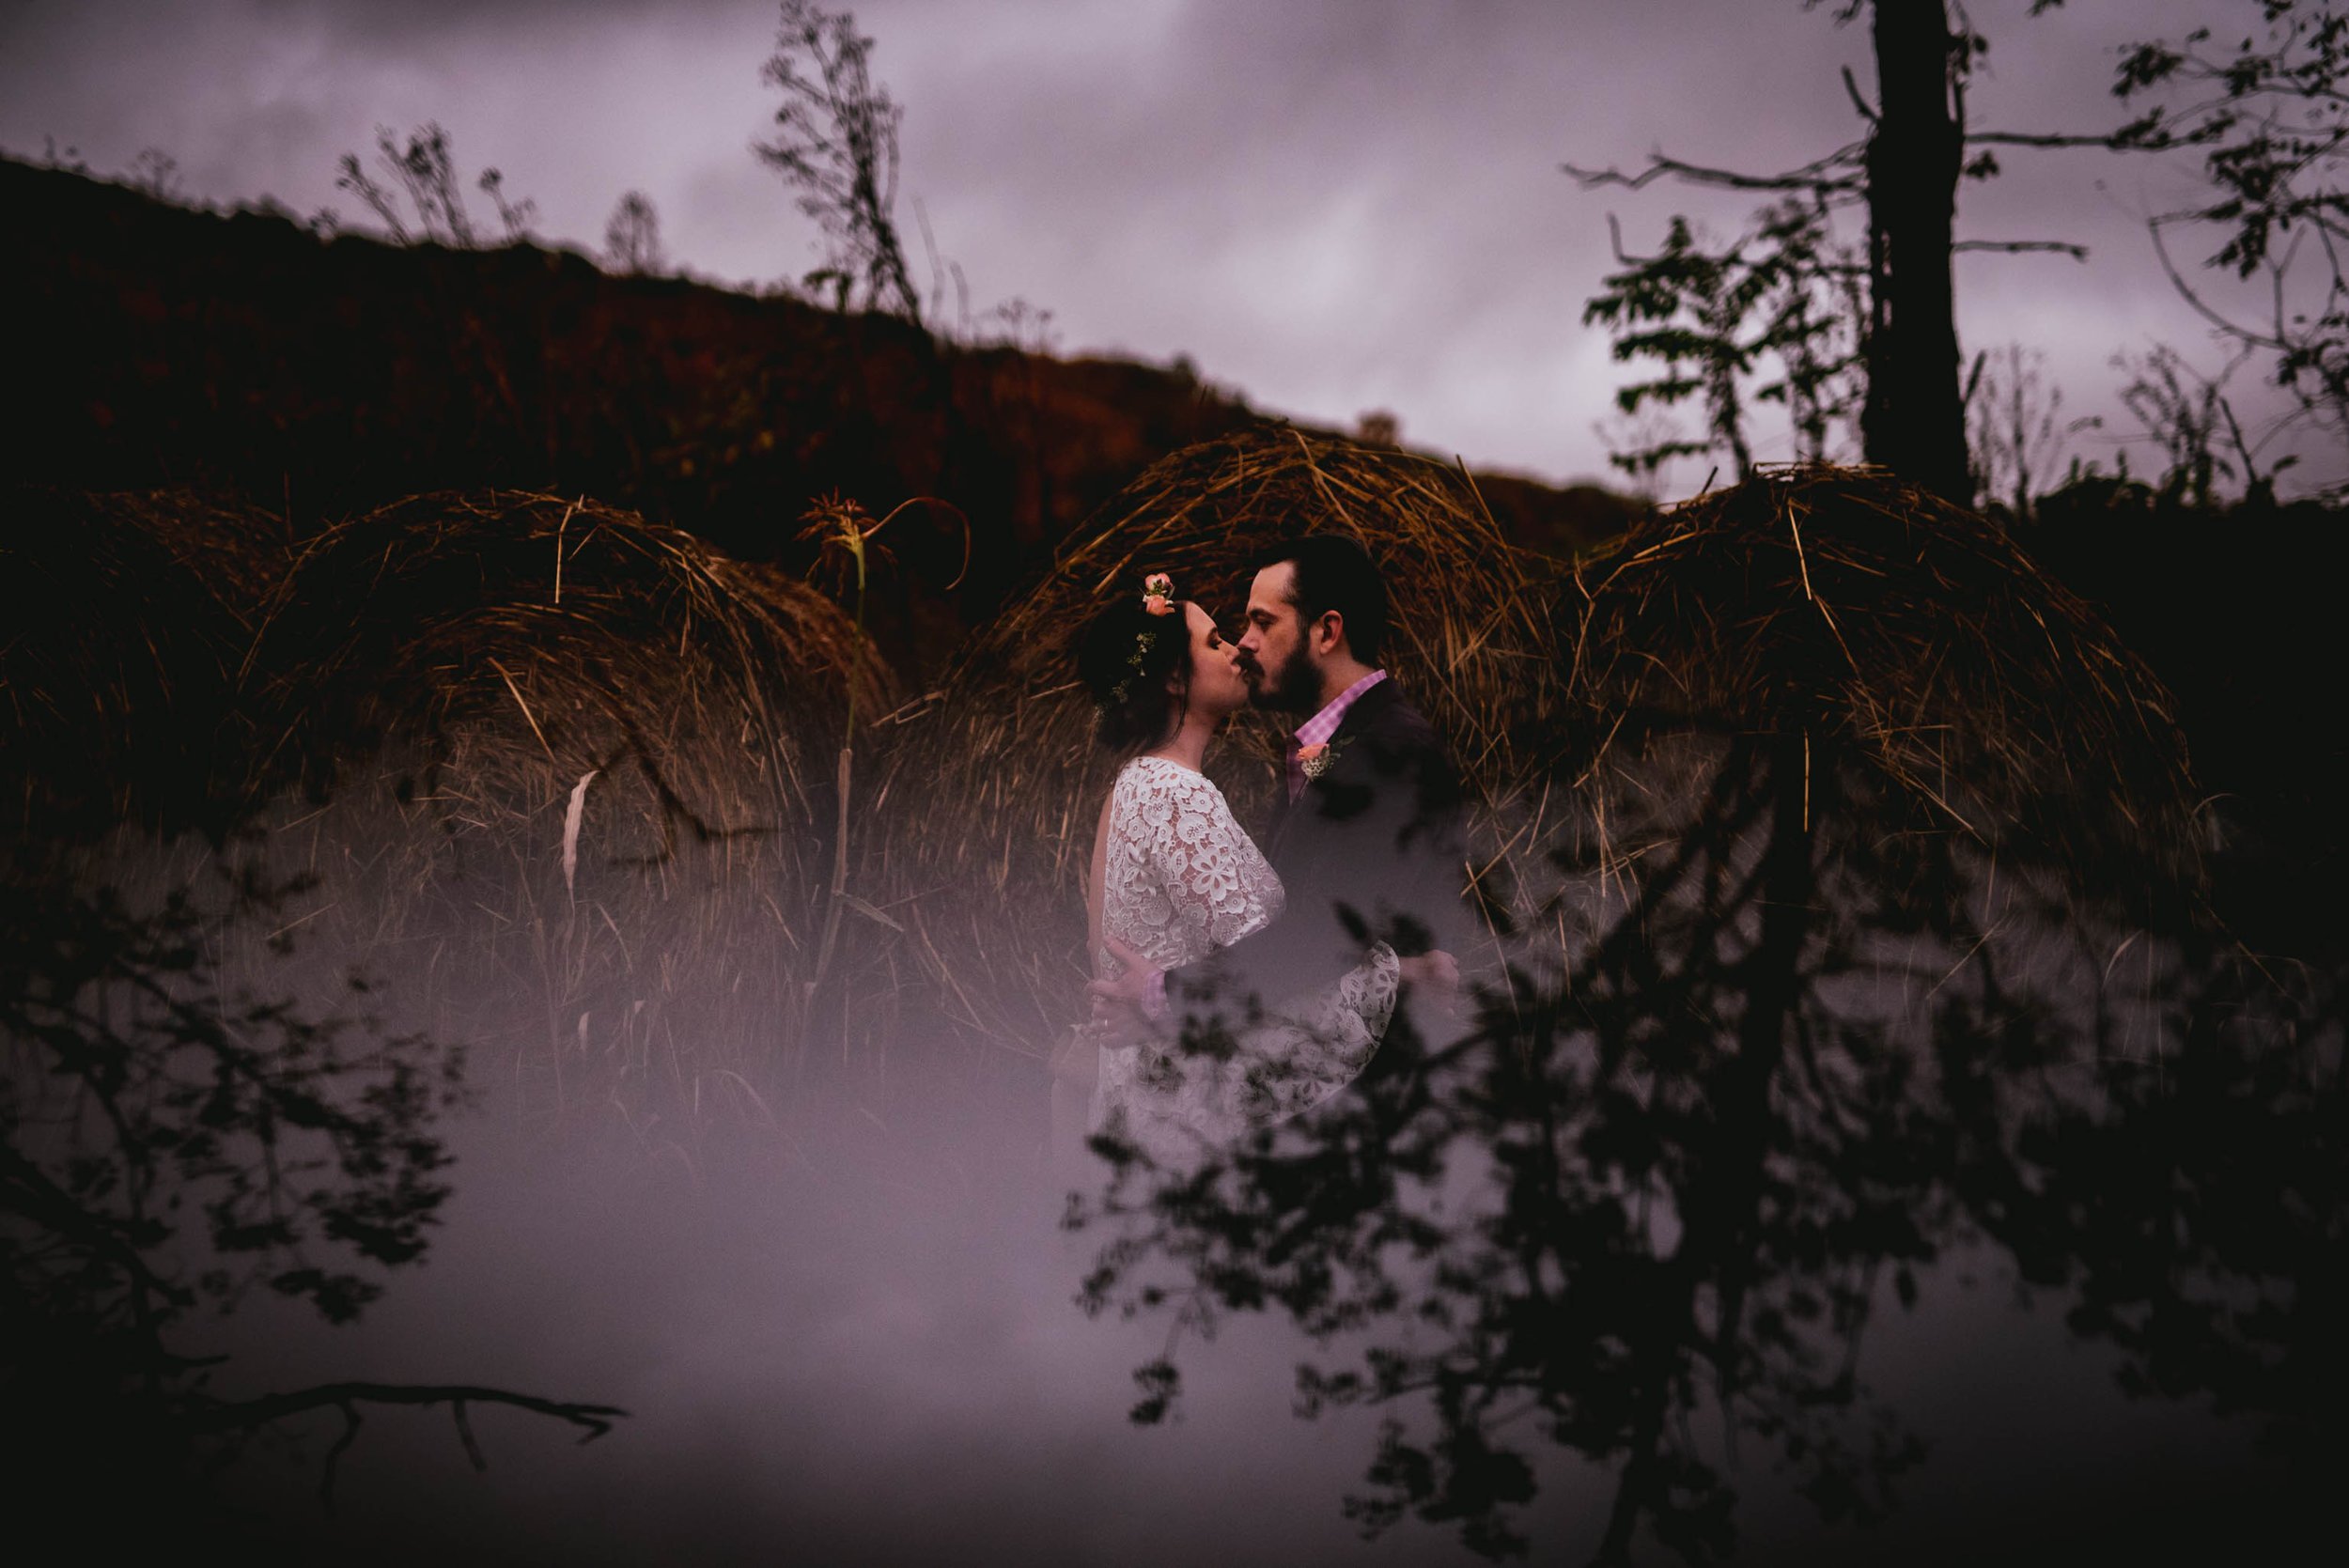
(1334, 203)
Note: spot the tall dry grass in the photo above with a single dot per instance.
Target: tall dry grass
(580, 789)
(566, 776)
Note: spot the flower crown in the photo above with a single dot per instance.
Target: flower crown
(1157, 597)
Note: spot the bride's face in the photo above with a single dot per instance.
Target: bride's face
(1218, 690)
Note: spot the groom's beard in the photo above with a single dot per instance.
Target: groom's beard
(1294, 688)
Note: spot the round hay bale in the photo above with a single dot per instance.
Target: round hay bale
(991, 788)
(576, 769)
(127, 614)
(1911, 648)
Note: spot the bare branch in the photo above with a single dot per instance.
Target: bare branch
(1614, 240)
(2193, 299)
(247, 1414)
(2059, 247)
(464, 1435)
(1818, 174)
(2110, 141)
(1851, 86)
(335, 1455)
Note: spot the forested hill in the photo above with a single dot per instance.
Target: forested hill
(321, 375)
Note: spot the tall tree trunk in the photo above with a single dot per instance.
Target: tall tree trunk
(1914, 422)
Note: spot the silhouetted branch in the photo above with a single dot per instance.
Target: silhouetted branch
(2059, 247)
(2110, 141)
(252, 1414)
(1851, 86)
(1819, 175)
(249, 1413)
(2194, 298)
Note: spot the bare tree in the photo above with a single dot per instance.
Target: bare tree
(429, 173)
(2188, 415)
(1016, 324)
(835, 140)
(355, 179)
(631, 241)
(1903, 172)
(156, 173)
(2178, 411)
(517, 216)
(2016, 426)
(425, 170)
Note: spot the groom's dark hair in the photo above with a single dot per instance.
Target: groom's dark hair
(1335, 572)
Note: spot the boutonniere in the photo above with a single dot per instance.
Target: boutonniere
(1315, 759)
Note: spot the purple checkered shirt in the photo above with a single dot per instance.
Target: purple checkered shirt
(1317, 730)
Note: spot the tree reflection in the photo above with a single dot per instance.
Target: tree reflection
(1794, 1020)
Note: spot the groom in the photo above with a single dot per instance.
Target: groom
(1368, 839)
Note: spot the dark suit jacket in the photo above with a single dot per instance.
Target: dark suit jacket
(1372, 850)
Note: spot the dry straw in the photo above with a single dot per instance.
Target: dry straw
(1905, 640)
(992, 784)
(126, 613)
(570, 772)
(1908, 643)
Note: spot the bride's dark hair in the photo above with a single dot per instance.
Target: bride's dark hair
(1123, 656)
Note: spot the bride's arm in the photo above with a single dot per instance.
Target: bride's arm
(1093, 877)
(1212, 876)
(1436, 972)
(1197, 848)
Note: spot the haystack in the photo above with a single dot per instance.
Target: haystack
(126, 616)
(992, 789)
(1909, 646)
(568, 770)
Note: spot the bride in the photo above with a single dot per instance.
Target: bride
(1174, 877)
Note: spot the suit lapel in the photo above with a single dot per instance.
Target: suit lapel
(1285, 815)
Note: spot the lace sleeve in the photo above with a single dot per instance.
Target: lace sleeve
(1319, 1044)
(1215, 879)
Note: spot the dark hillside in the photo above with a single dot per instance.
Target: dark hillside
(322, 377)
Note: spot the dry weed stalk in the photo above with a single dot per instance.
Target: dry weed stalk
(836, 524)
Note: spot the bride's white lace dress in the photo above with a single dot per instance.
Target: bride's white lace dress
(1180, 879)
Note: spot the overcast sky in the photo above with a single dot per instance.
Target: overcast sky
(1333, 205)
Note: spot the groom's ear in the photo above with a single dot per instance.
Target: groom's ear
(1327, 632)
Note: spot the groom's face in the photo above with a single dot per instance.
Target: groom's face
(1273, 654)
